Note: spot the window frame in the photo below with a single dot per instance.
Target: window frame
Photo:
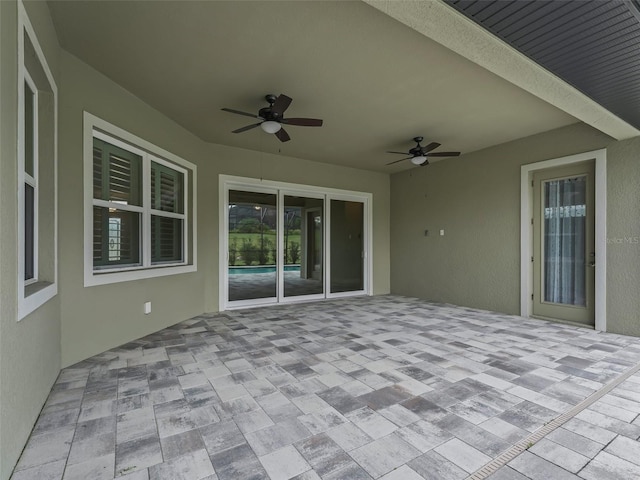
(107, 132)
(166, 214)
(28, 179)
(118, 205)
(34, 292)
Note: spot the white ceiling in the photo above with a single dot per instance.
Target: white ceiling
(375, 81)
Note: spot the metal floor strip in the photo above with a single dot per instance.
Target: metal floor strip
(524, 444)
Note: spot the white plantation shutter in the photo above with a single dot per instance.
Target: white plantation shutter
(124, 179)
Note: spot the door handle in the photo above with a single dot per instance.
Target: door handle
(592, 264)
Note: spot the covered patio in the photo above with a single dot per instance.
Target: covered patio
(362, 388)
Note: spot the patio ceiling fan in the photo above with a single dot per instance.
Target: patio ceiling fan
(418, 154)
(272, 119)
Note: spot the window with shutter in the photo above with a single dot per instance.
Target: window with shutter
(29, 128)
(30, 181)
(139, 208)
(36, 169)
(167, 217)
(29, 233)
(117, 187)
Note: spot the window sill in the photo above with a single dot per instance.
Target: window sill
(105, 277)
(35, 288)
(34, 296)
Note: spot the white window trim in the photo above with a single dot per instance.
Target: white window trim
(29, 303)
(526, 235)
(229, 182)
(96, 127)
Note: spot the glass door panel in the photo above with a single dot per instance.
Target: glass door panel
(563, 240)
(253, 246)
(303, 248)
(347, 246)
(564, 233)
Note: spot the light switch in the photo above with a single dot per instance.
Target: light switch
(442, 233)
(147, 308)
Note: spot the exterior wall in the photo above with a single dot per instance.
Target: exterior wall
(623, 237)
(97, 318)
(476, 200)
(30, 348)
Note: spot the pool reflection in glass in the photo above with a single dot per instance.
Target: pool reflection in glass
(252, 245)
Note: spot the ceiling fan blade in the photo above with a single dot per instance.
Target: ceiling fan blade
(303, 122)
(401, 160)
(238, 112)
(281, 104)
(282, 135)
(248, 127)
(431, 146)
(443, 154)
(400, 153)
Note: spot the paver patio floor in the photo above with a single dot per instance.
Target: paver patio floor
(357, 388)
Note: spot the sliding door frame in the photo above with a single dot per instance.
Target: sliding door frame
(229, 182)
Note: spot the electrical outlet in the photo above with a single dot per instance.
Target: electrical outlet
(147, 308)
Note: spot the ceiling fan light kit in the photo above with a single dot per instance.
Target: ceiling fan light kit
(272, 117)
(418, 155)
(270, 126)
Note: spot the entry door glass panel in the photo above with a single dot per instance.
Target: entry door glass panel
(253, 245)
(565, 208)
(563, 244)
(303, 248)
(347, 246)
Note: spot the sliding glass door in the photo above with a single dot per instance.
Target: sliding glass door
(347, 246)
(252, 246)
(284, 244)
(303, 250)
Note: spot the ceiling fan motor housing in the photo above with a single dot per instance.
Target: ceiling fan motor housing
(268, 114)
(417, 150)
